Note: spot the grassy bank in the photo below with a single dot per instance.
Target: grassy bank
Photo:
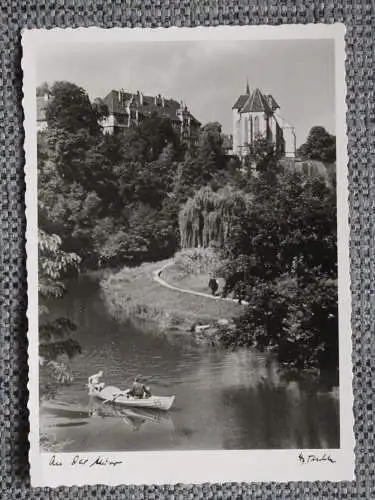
(178, 277)
(132, 291)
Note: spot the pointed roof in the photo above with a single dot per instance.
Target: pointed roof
(240, 101)
(243, 98)
(257, 102)
(272, 103)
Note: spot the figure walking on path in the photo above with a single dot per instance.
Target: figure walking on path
(214, 285)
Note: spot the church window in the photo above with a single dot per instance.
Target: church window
(256, 125)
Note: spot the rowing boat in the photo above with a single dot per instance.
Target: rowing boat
(73, 411)
(113, 394)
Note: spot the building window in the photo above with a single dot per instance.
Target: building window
(256, 125)
(246, 133)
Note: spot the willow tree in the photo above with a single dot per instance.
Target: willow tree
(206, 217)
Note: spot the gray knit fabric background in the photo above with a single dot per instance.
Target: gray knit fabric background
(359, 17)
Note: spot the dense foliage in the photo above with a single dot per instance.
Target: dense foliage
(56, 339)
(198, 261)
(320, 145)
(206, 218)
(70, 109)
(115, 198)
(281, 258)
(142, 194)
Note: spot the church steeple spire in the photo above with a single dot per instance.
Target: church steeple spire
(247, 87)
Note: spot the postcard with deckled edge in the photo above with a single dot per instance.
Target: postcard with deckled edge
(188, 255)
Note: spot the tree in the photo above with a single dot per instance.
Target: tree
(299, 324)
(289, 225)
(100, 108)
(55, 337)
(202, 163)
(115, 199)
(157, 133)
(206, 218)
(320, 145)
(281, 257)
(69, 109)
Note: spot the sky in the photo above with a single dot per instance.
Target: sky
(207, 75)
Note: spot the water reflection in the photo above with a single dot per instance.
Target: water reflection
(227, 400)
(96, 408)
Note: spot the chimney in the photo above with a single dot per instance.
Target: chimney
(121, 95)
(163, 101)
(141, 99)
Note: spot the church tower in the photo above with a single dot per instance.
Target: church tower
(256, 115)
(239, 134)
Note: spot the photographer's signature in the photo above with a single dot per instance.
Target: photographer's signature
(312, 458)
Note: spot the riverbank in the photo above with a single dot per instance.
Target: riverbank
(134, 292)
(176, 276)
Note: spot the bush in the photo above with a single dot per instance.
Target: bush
(198, 261)
(298, 322)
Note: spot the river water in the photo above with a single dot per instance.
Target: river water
(224, 399)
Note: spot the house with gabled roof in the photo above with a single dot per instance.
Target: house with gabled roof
(256, 115)
(127, 109)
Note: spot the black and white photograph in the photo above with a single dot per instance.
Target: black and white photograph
(189, 283)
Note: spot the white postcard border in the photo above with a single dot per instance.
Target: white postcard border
(169, 467)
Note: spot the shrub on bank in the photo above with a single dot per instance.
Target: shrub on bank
(298, 322)
(198, 260)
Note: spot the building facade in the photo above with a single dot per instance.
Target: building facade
(128, 109)
(41, 106)
(256, 115)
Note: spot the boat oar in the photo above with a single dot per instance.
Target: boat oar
(121, 393)
(114, 397)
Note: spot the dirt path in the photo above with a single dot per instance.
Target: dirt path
(156, 277)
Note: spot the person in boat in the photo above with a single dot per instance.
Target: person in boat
(214, 285)
(139, 390)
(94, 381)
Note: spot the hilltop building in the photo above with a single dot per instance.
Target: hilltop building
(41, 105)
(256, 115)
(128, 109)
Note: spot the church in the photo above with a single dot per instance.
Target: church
(256, 115)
